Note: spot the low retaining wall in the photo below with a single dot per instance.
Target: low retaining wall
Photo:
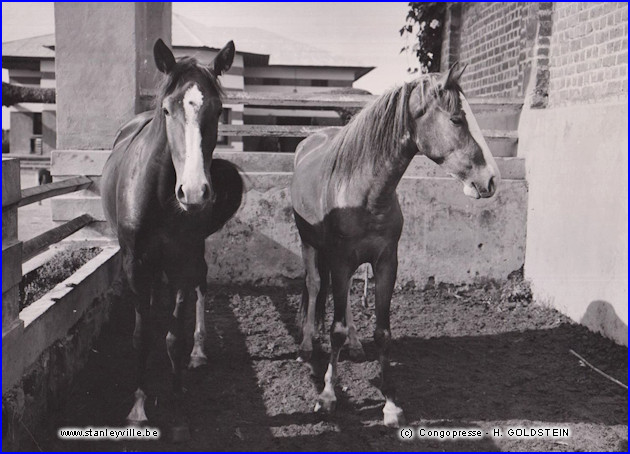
(446, 235)
(40, 361)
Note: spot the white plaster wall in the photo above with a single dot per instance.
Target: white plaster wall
(577, 221)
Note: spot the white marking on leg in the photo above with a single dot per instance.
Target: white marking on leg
(328, 394)
(329, 379)
(179, 299)
(137, 413)
(198, 356)
(392, 414)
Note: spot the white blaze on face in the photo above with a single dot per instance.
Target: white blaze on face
(194, 176)
(475, 132)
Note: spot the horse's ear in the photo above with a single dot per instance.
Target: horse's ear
(164, 58)
(453, 75)
(223, 61)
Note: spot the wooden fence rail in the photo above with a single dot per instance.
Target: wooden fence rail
(45, 191)
(304, 131)
(14, 251)
(40, 243)
(330, 100)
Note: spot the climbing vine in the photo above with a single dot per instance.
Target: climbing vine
(423, 31)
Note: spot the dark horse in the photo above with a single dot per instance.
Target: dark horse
(163, 194)
(347, 212)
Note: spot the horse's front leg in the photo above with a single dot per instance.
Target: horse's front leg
(175, 348)
(142, 340)
(385, 277)
(198, 356)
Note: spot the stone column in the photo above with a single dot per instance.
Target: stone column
(105, 75)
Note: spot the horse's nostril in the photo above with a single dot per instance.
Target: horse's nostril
(180, 192)
(491, 185)
(205, 192)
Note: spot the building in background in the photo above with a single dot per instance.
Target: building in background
(264, 62)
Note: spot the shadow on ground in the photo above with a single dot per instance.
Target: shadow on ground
(455, 367)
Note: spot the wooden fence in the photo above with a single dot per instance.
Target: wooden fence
(337, 102)
(20, 349)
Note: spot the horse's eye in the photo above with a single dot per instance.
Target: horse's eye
(166, 112)
(457, 120)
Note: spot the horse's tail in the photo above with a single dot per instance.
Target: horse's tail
(228, 186)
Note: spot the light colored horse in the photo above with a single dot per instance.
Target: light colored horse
(347, 213)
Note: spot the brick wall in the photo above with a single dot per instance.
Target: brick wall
(575, 52)
(492, 36)
(589, 52)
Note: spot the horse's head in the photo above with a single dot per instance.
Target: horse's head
(445, 130)
(190, 104)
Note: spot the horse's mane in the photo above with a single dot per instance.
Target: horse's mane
(374, 136)
(186, 66)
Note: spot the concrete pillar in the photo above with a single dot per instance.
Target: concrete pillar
(21, 132)
(103, 64)
(105, 75)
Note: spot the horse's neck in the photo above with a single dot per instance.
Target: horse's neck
(374, 187)
(386, 178)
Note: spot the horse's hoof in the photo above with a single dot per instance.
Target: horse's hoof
(394, 418)
(326, 403)
(180, 434)
(356, 353)
(197, 362)
(137, 416)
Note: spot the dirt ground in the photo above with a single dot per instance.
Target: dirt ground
(480, 356)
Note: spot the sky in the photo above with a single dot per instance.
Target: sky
(366, 33)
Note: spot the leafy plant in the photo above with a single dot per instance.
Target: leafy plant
(423, 29)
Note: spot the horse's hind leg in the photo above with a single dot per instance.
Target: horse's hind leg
(309, 300)
(385, 278)
(142, 344)
(198, 357)
(174, 340)
(327, 400)
(322, 295)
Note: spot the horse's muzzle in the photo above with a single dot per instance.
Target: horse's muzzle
(194, 199)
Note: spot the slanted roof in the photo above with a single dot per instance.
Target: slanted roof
(37, 47)
(282, 51)
(189, 33)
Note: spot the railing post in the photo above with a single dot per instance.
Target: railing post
(11, 251)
